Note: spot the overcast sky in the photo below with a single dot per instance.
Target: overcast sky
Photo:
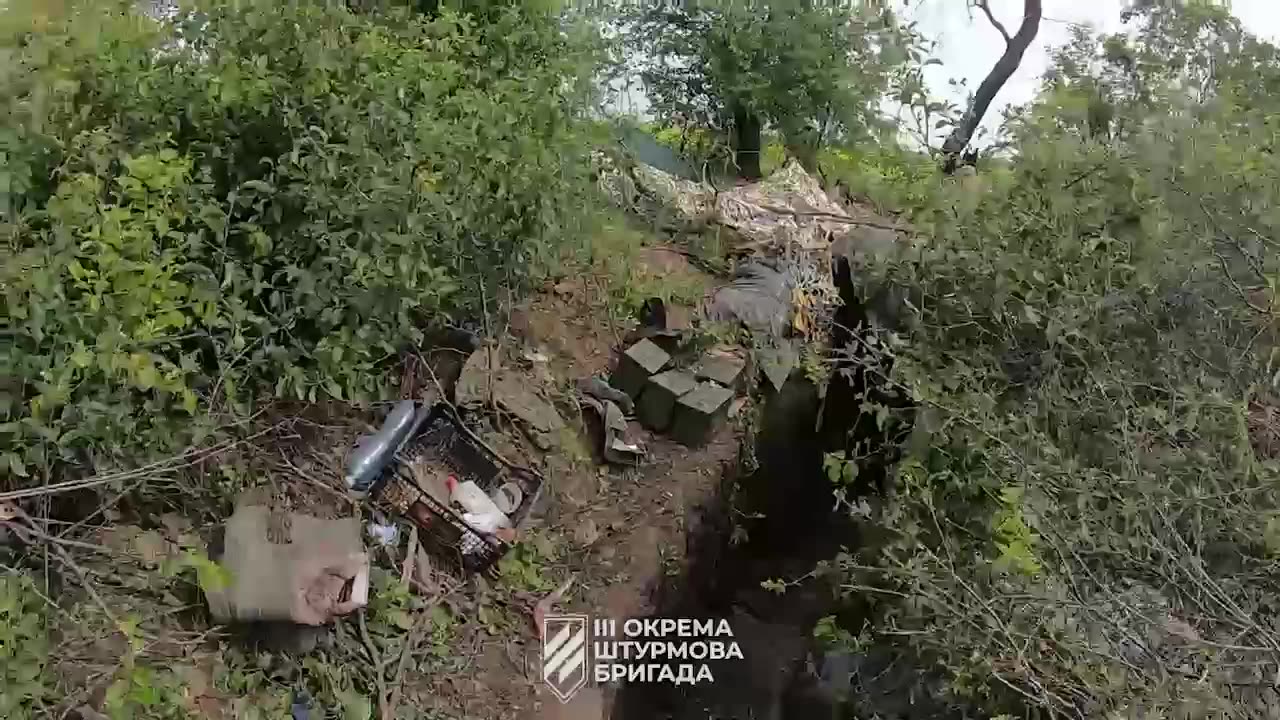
(968, 46)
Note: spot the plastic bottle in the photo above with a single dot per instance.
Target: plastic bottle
(481, 513)
(373, 452)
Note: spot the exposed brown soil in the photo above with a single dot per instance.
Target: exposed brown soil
(620, 532)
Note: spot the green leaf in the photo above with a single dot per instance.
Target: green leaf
(147, 377)
(354, 705)
(774, 586)
(400, 619)
(82, 358)
(15, 464)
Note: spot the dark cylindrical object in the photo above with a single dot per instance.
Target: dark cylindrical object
(374, 451)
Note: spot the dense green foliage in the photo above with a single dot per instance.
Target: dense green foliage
(263, 195)
(265, 199)
(24, 648)
(1085, 519)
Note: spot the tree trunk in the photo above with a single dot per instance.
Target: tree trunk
(803, 146)
(1015, 47)
(746, 142)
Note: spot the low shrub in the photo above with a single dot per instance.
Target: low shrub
(251, 196)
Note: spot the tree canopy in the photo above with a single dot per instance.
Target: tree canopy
(809, 72)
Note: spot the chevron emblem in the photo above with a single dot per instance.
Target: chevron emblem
(564, 654)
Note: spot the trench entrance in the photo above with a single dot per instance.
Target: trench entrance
(786, 522)
(788, 509)
(785, 509)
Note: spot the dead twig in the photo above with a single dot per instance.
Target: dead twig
(101, 509)
(24, 526)
(986, 9)
(544, 606)
(379, 666)
(286, 462)
(465, 430)
(410, 557)
(176, 462)
(415, 636)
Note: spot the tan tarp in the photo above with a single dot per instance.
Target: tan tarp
(788, 220)
(268, 572)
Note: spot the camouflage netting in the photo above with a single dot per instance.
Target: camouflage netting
(788, 231)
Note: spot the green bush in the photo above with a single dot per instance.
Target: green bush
(894, 179)
(263, 195)
(1084, 522)
(24, 648)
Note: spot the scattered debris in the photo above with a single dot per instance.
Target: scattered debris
(586, 533)
(600, 389)
(481, 512)
(548, 602)
(300, 706)
(430, 476)
(512, 392)
(508, 497)
(637, 364)
(318, 572)
(385, 534)
(444, 465)
(614, 447)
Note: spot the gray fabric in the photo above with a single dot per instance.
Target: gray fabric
(646, 149)
(759, 298)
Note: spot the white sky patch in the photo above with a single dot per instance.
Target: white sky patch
(969, 46)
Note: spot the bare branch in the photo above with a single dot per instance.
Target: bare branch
(1003, 69)
(985, 7)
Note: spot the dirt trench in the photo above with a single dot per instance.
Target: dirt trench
(754, 505)
(787, 508)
